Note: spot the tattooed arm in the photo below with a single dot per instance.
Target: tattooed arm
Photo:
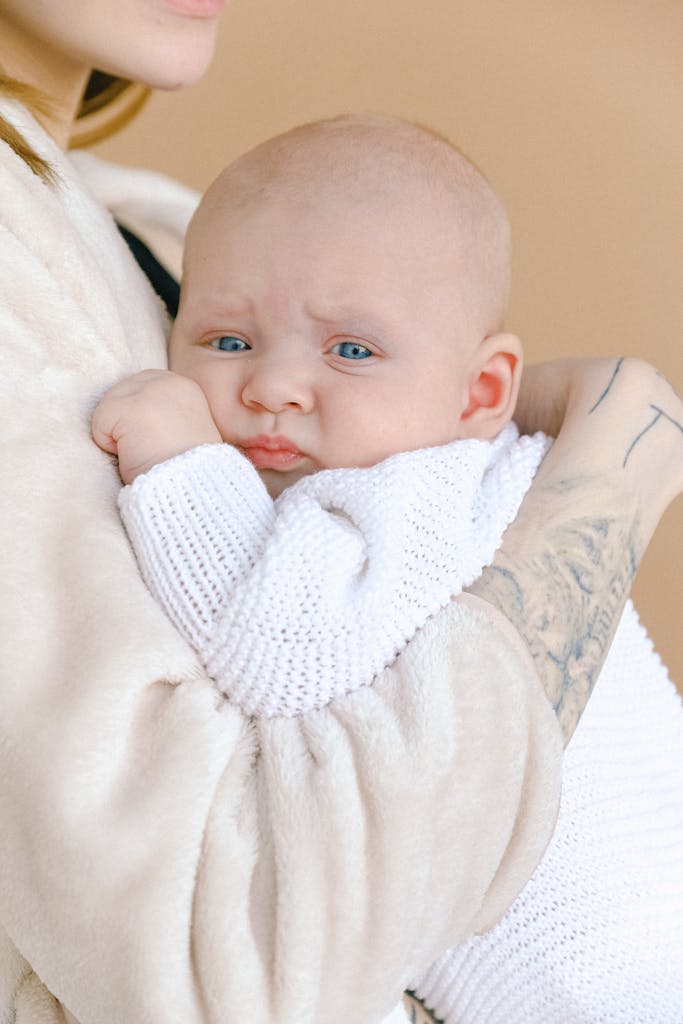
(567, 563)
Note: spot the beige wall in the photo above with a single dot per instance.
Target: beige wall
(575, 111)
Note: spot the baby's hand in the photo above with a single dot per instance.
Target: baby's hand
(150, 417)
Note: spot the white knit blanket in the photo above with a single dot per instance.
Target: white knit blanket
(597, 934)
(294, 602)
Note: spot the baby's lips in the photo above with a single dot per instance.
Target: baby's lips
(271, 455)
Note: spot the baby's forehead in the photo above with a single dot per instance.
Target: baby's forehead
(370, 170)
(357, 160)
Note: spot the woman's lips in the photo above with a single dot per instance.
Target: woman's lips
(198, 8)
(266, 452)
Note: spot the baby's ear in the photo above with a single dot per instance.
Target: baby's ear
(494, 375)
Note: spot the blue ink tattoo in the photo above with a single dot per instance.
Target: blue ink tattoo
(658, 414)
(608, 388)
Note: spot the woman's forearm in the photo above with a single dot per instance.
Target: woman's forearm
(567, 563)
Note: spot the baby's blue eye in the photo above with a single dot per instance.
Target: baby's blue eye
(350, 350)
(230, 343)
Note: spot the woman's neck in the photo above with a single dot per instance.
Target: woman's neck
(57, 77)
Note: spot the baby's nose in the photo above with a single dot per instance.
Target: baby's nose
(276, 387)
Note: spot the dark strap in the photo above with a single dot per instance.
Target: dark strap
(163, 283)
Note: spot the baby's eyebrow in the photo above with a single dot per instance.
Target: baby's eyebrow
(236, 303)
(354, 317)
(223, 303)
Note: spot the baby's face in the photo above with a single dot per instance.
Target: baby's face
(323, 336)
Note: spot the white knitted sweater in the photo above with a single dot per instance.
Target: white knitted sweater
(294, 602)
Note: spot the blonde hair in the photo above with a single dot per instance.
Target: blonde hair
(108, 104)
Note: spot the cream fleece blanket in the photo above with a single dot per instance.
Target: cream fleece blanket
(163, 858)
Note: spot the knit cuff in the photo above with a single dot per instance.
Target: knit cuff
(197, 524)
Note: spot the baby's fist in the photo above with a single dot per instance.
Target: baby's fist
(149, 418)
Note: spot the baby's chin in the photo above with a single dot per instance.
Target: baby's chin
(277, 481)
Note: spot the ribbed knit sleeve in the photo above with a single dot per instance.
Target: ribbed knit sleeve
(295, 603)
(198, 524)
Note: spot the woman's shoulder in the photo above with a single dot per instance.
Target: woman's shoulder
(78, 299)
(26, 196)
(154, 207)
(82, 186)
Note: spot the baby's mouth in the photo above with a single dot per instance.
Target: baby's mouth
(266, 452)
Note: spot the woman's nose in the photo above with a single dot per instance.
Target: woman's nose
(276, 387)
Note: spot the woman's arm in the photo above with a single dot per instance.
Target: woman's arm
(568, 561)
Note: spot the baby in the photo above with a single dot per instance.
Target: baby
(329, 461)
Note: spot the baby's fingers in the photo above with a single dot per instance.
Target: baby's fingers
(116, 404)
(102, 427)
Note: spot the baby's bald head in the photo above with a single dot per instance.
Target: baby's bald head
(372, 163)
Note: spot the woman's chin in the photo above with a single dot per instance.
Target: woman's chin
(168, 54)
(173, 73)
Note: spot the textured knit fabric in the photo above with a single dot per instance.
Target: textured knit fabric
(296, 602)
(361, 558)
(596, 937)
(163, 858)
